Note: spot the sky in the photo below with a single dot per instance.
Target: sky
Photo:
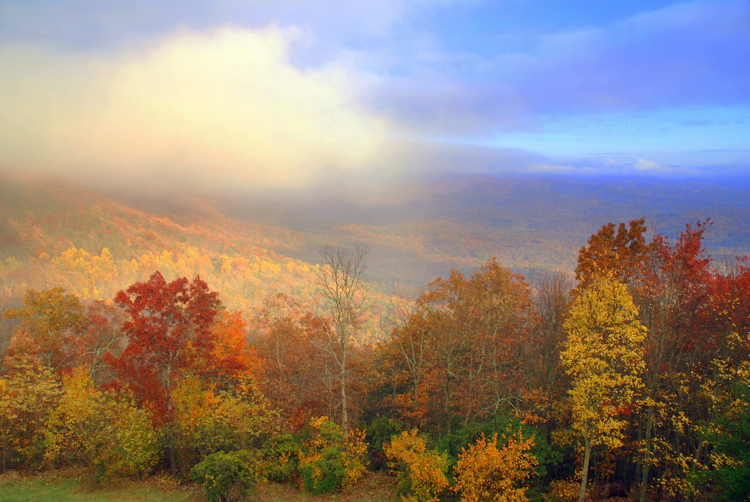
(264, 94)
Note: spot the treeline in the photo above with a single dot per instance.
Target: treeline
(632, 380)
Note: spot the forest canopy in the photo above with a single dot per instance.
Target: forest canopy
(631, 379)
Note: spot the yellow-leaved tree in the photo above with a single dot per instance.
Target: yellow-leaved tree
(604, 357)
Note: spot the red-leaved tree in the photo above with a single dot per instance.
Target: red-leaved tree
(168, 327)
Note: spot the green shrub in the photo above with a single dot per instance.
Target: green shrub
(380, 432)
(280, 458)
(328, 459)
(227, 476)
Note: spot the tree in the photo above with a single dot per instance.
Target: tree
(29, 390)
(169, 332)
(50, 317)
(293, 369)
(103, 432)
(460, 350)
(617, 253)
(603, 356)
(340, 278)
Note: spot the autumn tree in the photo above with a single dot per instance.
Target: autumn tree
(294, 376)
(603, 356)
(345, 294)
(49, 317)
(103, 432)
(549, 306)
(168, 328)
(617, 253)
(29, 390)
(98, 335)
(460, 351)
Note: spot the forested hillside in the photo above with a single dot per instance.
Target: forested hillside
(176, 338)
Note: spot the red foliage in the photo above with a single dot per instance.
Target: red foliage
(169, 333)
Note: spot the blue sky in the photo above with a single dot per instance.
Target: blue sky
(285, 92)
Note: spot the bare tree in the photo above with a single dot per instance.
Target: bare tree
(345, 300)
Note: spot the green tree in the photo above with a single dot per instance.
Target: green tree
(603, 356)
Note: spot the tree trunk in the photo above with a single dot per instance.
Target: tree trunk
(646, 455)
(344, 408)
(585, 473)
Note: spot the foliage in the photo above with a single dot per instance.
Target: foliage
(103, 432)
(206, 421)
(49, 318)
(227, 476)
(168, 329)
(486, 473)
(28, 392)
(456, 358)
(730, 438)
(328, 459)
(379, 433)
(280, 457)
(603, 356)
(421, 472)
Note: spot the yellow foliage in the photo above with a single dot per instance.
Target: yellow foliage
(485, 473)
(421, 471)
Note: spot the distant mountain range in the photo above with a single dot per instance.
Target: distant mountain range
(256, 245)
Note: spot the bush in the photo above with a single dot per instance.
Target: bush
(328, 460)
(379, 433)
(421, 471)
(227, 476)
(486, 473)
(281, 458)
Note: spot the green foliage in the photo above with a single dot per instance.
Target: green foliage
(379, 433)
(731, 455)
(280, 457)
(329, 460)
(227, 476)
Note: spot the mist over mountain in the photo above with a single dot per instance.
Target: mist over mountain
(420, 228)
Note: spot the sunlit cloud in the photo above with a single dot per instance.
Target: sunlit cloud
(223, 108)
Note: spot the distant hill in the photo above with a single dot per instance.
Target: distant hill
(528, 224)
(95, 242)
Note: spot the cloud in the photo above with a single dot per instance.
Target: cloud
(686, 54)
(219, 108)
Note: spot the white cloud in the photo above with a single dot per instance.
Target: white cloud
(224, 108)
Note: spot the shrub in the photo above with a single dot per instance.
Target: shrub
(280, 458)
(421, 471)
(227, 476)
(328, 460)
(485, 473)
